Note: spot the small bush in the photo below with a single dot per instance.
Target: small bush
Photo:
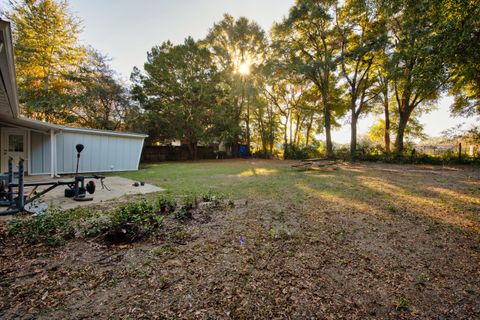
(212, 196)
(53, 227)
(185, 211)
(294, 152)
(125, 223)
(166, 204)
(133, 221)
(260, 154)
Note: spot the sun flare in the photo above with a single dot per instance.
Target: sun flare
(244, 68)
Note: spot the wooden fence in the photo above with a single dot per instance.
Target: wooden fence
(174, 153)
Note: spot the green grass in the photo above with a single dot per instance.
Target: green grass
(236, 179)
(240, 179)
(372, 187)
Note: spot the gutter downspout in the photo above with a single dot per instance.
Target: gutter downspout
(53, 153)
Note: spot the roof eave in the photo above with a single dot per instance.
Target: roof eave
(8, 47)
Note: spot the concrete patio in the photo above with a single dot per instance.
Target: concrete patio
(118, 188)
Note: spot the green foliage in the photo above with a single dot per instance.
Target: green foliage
(172, 111)
(295, 152)
(133, 221)
(46, 50)
(448, 158)
(166, 204)
(101, 101)
(125, 223)
(141, 214)
(185, 210)
(213, 196)
(323, 59)
(457, 30)
(53, 227)
(162, 250)
(417, 66)
(402, 304)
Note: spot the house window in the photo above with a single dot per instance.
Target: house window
(15, 143)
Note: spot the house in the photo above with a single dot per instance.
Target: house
(49, 148)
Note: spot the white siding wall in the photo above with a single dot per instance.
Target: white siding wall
(40, 153)
(102, 153)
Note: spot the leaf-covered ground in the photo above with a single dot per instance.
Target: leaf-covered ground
(365, 241)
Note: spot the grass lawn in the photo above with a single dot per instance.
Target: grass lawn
(365, 241)
(369, 187)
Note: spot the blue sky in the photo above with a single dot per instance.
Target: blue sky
(126, 29)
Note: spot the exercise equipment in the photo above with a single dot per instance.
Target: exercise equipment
(17, 201)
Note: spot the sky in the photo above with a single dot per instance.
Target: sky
(125, 30)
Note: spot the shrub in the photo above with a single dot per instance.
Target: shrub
(185, 211)
(53, 227)
(133, 221)
(259, 153)
(212, 196)
(125, 223)
(294, 152)
(166, 204)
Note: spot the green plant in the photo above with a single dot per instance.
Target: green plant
(53, 227)
(272, 233)
(133, 221)
(185, 211)
(402, 304)
(391, 208)
(279, 233)
(212, 196)
(295, 152)
(162, 250)
(166, 203)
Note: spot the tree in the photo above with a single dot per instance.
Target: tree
(101, 101)
(179, 91)
(238, 48)
(458, 30)
(307, 36)
(414, 130)
(46, 45)
(384, 96)
(361, 36)
(417, 65)
(284, 94)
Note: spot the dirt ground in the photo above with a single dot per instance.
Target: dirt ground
(397, 242)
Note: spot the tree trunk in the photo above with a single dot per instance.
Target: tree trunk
(192, 150)
(297, 126)
(387, 125)
(248, 130)
(402, 124)
(328, 136)
(309, 128)
(271, 136)
(353, 136)
(290, 129)
(263, 137)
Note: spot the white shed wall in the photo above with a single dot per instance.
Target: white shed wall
(102, 153)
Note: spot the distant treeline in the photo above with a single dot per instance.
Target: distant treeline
(324, 64)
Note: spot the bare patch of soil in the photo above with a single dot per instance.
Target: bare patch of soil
(324, 255)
